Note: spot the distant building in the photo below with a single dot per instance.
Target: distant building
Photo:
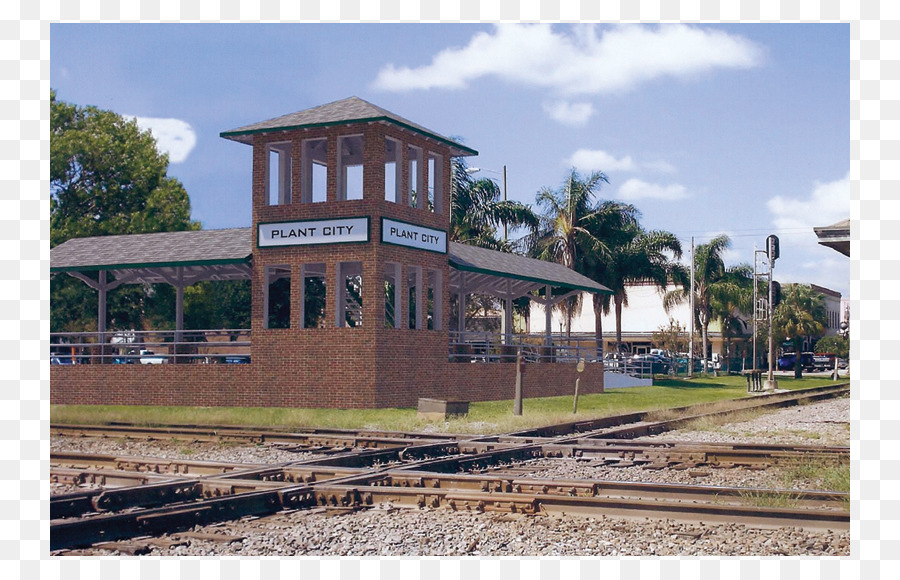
(835, 236)
(645, 315)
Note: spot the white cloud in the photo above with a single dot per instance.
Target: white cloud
(573, 114)
(173, 136)
(635, 189)
(580, 62)
(599, 160)
(828, 203)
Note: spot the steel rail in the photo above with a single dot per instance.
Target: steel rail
(437, 471)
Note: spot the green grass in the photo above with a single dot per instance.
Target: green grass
(483, 417)
(823, 474)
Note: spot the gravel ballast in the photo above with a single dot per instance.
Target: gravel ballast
(389, 530)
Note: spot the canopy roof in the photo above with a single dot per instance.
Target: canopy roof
(351, 110)
(495, 272)
(835, 236)
(153, 258)
(226, 255)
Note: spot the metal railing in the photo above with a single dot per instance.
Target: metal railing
(227, 346)
(487, 347)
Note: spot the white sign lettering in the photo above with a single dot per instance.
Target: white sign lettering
(403, 234)
(314, 232)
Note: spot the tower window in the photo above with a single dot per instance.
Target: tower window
(349, 295)
(315, 170)
(415, 190)
(278, 297)
(350, 171)
(278, 170)
(392, 168)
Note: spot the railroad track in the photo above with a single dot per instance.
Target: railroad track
(144, 496)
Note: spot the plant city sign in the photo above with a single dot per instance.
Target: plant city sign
(413, 236)
(312, 232)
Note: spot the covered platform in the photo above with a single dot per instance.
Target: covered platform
(185, 258)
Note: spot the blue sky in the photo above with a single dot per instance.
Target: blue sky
(736, 129)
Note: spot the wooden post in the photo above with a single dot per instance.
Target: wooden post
(517, 404)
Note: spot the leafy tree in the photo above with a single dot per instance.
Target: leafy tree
(106, 177)
(672, 338)
(717, 289)
(800, 315)
(838, 345)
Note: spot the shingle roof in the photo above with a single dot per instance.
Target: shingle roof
(235, 246)
(350, 110)
(481, 260)
(198, 247)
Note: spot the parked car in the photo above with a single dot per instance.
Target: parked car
(652, 363)
(62, 360)
(237, 360)
(787, 361)
(148, 357)
(824, 361)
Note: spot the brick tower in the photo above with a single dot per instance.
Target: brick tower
(351, 210)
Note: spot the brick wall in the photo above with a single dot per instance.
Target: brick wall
(328, 385)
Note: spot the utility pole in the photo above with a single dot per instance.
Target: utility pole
(755, 309)
(690, 373)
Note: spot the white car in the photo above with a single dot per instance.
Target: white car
(148, 357)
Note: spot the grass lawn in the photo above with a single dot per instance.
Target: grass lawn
(484, 417)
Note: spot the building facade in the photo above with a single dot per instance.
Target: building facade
(351, 270)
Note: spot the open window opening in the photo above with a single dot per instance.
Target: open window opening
(350, 170)
(414, 296)
(435, 183)
(278, 297)
(433, 300)
(315, 171)
(391, 294)
(392, 166)
(349, 295)
(313, 300)
(278, 170)
(416, 193)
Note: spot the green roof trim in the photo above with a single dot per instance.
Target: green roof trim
(135, 266)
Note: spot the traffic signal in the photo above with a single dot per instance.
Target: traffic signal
(776, 294)
(772, 247)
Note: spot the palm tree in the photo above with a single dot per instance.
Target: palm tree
(637, 255)
(564, 234)
(729, 308)
(476, 210)
(801, 314)
(714, 286)
(610, 223)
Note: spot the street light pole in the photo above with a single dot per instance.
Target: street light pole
(504, 199)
